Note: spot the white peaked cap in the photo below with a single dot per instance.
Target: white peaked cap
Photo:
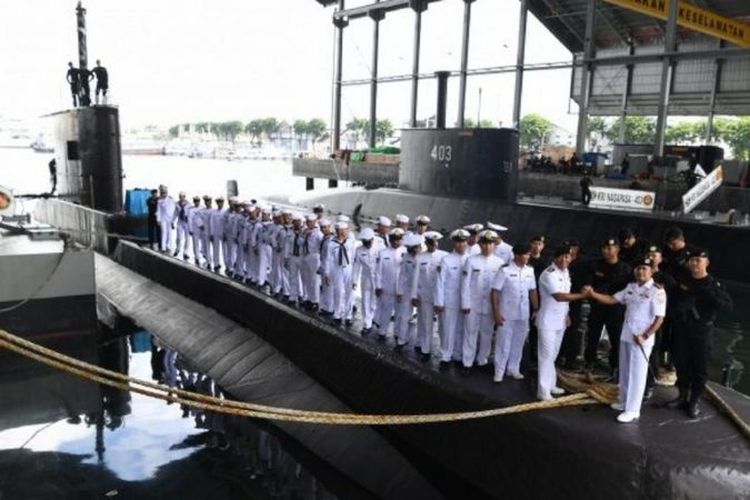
(342, 218)
(432, 235)
(384, 221)
(423, 219)
(311, 218)
(298, 217)
(403, 219)
(342, 225)
(324, 222)
(496, 227)
(396, 231)
(366, 234)
(413, 240)
(475, 228)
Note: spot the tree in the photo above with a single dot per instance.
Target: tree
(470, 123)
(230, 130)
(174, 131)
(300, 130)
(738, 138)
(358, 126)
(597, 128)
(534, 131)
(270, 126)
(254, 128)
(383, 129)
(638, 130)
(202, 127)
(685, 133)
(316, 128)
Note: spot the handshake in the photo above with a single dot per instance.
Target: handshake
(588, 292)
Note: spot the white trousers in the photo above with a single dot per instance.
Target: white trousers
(182, 238)
(425, 324)
(548, 349)
(294, 264)
(310, 277)
(251, 264)
(341, 284)
(478, 329)
(367, 289)
(451, 334)
(216, 246)
(276, 278)
(230, 253)
(206, 248)
(239, 261)
(509, 343)
(386, 304)
(196, 246)
(166, 236)
(326, 295)
(403, 329)
(264, 263)
(633, 373)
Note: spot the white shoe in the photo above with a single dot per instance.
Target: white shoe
(627, 417)
(498, 378)
(516, 376)
(617, 406)
(557, 391)
(543, 397)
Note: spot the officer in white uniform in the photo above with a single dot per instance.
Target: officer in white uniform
(474, 230)
(448, 298)
(428, 264)
(552, 319)
(217, 217)
(387, 268)
(195, 238)
(402, 222)
(166, 210)
(312, 238)
(381, 233)
(204, 229)
(503, 249)
(645, 306)
(403, 328)
(181, 218)
(476, 284)
(326, 290)
(363, 273)
(340, 255)
(513, 296)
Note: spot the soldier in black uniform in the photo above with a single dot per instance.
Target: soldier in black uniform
(632, 246)
(573, 337)
(697, 298)
(73, 78)
(154, 232)
(607, 275)
(674, 262)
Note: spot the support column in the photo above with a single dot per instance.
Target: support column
(418, 6)
(340, 24)
(376, 17)
(587, 77)
(626, 95)
(667, 70)
(520, 59)
(714, 93)
(464, 62)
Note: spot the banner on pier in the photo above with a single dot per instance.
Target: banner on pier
(622, 199)
(703, 189)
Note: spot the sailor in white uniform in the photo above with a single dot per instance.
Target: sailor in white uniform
(448, 298)
(195, 237)
(503, 249)
(231, 233)
(476, 284)
(181, 219)
(340, 255)
(428, 264)
(513, 296)
(363, 273)
(326, 290)
(402, 222)
(265, 251)
(216, 232)
(295, 240)
(474, 230)
(312, 237)
(381, 233)
(387, 268)
(403, 328)
(166, 210)
(552, 319)
(645, 306)
(203, 223)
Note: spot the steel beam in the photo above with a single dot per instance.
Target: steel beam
(340, 24)
(366, 10)
(667, 72)
(520, 59)
(714, 92)
(587, 77)
(376, 16)
(626, 95)
(464, 62)
(418, 6)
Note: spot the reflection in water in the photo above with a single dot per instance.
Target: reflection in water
(132, 443)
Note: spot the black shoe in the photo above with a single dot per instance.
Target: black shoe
(197, 262)
(185, 257)
(176, 253)
(425, 357)
(382, 338)
(694, 410)
(337, 323)
(365, 331)
(348, 322)
(398, 346)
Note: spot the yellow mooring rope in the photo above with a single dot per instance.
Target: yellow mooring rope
(123, 382)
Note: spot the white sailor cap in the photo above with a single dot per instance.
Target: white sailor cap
(219, 199)
(366, 234)
(488, 235)
(423, 219)
(342, 218)
(311, 218)
(396, 231)
(402, 219)
(183, 193)
(496, 227)
(265, 209)
(276, 213)
(342, 225)
(460, 235)
(287, 212)
(433, 235)
(233, 199)
(384, 221)
(319, 207)
(297, 217)
(324, 222)
(162, 187)
(413, 240)
(474, 228)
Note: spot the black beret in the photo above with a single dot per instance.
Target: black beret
(521, 248)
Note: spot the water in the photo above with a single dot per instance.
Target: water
(26, 172)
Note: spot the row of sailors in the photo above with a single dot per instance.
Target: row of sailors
(483, 292)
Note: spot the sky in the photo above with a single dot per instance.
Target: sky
(173, 61)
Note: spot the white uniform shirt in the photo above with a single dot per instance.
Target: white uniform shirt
(552, 314)
(476, 283)
(380, 242)
(340, 254)
(514, 284)
(192, 218)
(387, 268)
(324, 248)
(643, 304)
(165, 209)
(448, 285)
(504, 250)
(364, 264)
(216, 223)
(407, 277)
(428, 265)
(474, 250)
(311, 241)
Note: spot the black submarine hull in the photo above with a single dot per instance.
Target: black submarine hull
(561, 453)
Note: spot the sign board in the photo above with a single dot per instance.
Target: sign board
(694, 18)
(6, 202)
(622, 199)
(703, 189)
